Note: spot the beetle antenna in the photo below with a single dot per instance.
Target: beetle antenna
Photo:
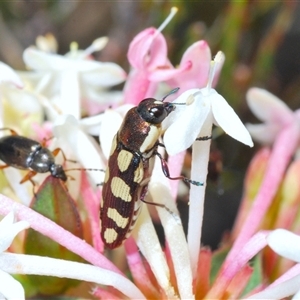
(170, 93)
(84, 169)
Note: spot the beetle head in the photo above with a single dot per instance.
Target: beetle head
(154, 111)
(57, 171)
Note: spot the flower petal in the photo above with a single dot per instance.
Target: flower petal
(85, 149)
(268, 107)
(285, 243)
(10, 288)
(148, 243)
(9, 230)
(31, 264)
(105, 75)
(264, 133)
(7, 74)
(185, 122)
(42, 61)
(280, 291)
(110, 125)
(148, 49)
(199, 56)
(228, 120)
(174, 235)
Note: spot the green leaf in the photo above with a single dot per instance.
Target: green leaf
(54, 202)
(257, 276)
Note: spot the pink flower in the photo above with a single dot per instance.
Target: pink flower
(282, 129)
(148, 57)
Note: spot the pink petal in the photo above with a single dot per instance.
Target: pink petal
(283, 149)
(230, 268)
(268, 107)
(264, 133)
(148, 49)
(198, 56)
(138, 270)
(56, 233)
(92, 203)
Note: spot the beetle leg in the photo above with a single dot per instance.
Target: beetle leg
(57, 150)
(166, 171)
(29, 176)
(9, 129)
(142, 198)
(4, 167)
(204, 138)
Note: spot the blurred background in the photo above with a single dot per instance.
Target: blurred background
(260, 39)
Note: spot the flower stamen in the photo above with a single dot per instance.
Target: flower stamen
(173, 12)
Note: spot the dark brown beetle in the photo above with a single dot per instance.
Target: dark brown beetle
(26, 154)
(130, 167)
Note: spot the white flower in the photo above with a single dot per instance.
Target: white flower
(9, 287)
(185, 123)
(84, 149)
(204, 107)
(67, 80)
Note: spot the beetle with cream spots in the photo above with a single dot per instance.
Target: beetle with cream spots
(129, 169)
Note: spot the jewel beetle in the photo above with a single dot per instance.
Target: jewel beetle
(129, 169)
(27, 154)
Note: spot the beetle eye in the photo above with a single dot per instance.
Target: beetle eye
(158, 113)
(154, 111)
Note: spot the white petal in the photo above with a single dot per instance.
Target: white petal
(149, 245)
(228, 120)
(69, 102)
(279, 291)
(285, 243)
(296, 296)
(174, 235)
(10, 288)
(7, 74)
(9, 230)
(105, 75)
(85, 149)
(31, 264)
(6, 222)
(39, 60)
(22, 100)
(186, 123)
(91, 124)
(22, 191)
(264, 133)
(109, 127)
(267, 107)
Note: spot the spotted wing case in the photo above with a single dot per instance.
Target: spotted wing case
(129, 169)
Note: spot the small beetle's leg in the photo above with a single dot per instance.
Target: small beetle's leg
(204, 138)
(29, 176)
(9, 129)
(70, 177)
(57, 150)
(4, 167)
(45, 140)
(166, 171)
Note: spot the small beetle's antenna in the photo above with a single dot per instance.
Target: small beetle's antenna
(170, 93)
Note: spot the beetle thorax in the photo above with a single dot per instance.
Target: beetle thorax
(138, 135)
